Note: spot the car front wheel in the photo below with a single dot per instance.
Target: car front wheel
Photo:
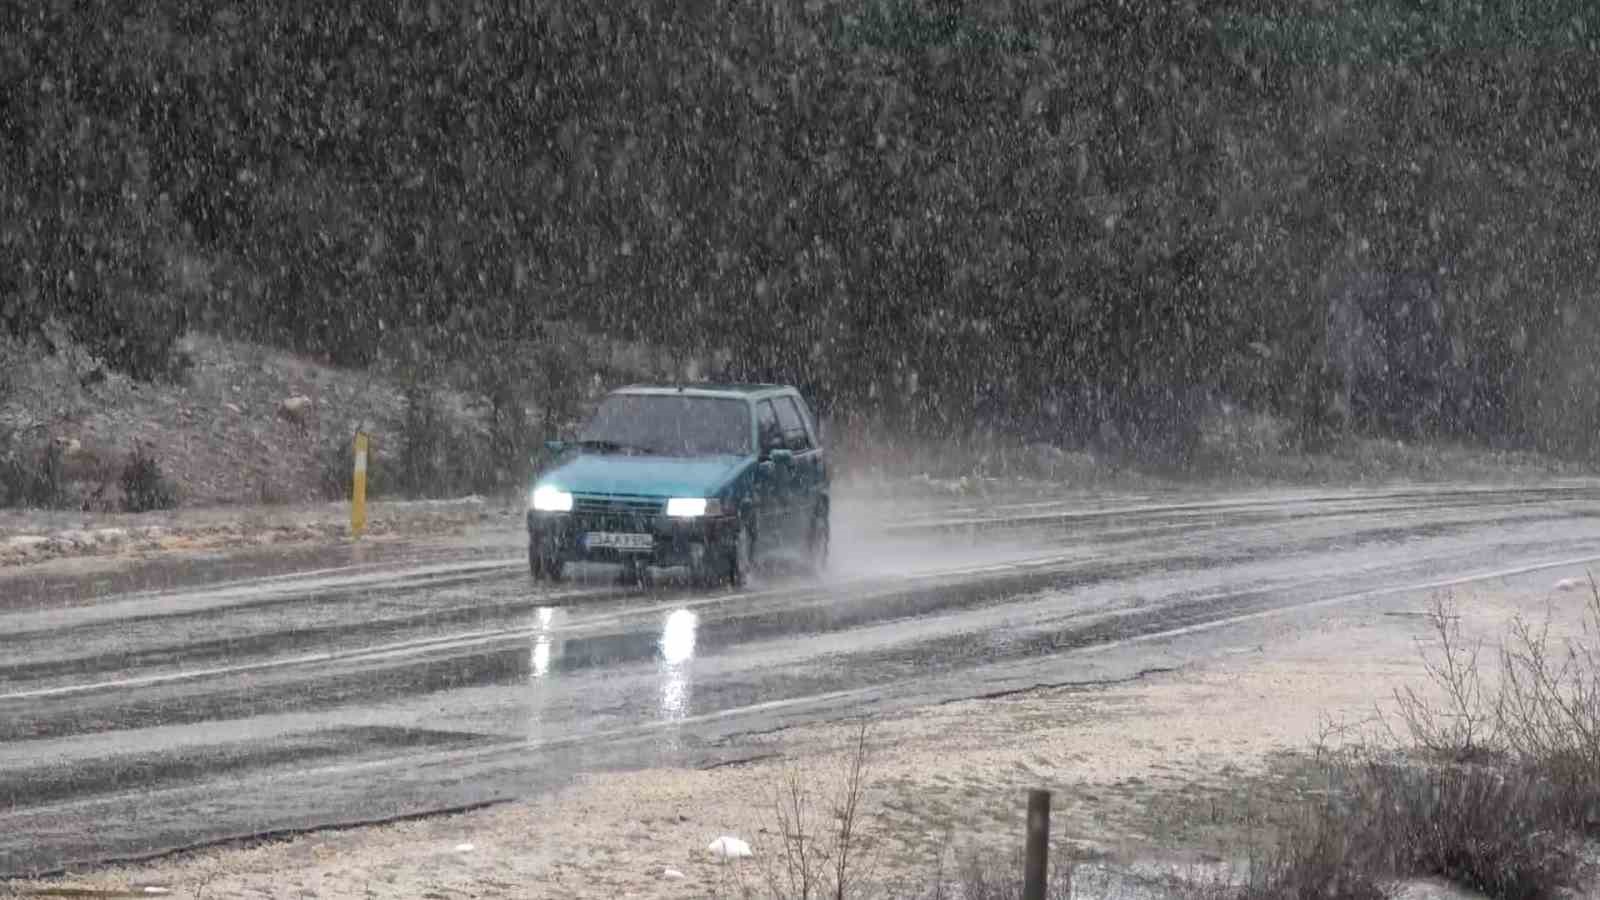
(555, 569)
(545, 568)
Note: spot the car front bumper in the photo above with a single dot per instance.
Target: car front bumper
(673, 541)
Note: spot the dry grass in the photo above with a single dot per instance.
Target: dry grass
(981, 878)
(1489, 829)
(1494, 787)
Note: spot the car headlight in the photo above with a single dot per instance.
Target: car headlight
(693, 507)
(548, 499)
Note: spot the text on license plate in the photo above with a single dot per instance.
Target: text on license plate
(613, 540)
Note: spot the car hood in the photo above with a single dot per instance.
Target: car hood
(648, 476)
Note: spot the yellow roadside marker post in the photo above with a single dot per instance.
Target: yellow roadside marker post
(358, 491)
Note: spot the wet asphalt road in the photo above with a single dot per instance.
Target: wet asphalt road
(166, 706)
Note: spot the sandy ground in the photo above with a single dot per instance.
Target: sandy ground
(1181, 769)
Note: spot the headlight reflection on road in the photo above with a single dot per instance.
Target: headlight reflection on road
(677, 655)
(539, 661)
(541, 656)
(677, 638)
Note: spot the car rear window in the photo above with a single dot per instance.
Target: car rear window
(671, 425)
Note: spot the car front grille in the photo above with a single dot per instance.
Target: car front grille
(623, 507)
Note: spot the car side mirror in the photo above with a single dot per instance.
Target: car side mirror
(781, 456)
(555, 446)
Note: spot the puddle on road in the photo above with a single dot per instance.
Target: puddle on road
(672, 646)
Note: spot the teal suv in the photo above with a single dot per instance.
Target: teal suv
(712, 478)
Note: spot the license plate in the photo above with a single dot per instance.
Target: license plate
(611, 540)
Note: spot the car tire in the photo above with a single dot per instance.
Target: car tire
(703, 574)
(817, 541)
(555, 569)
(742, 557)
(545, 568)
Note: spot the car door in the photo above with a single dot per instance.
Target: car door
(805, 472)
(818, 457)
(772, 494)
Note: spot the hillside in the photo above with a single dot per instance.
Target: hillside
(1080, 221)
(224, 437)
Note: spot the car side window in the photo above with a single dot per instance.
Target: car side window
(768, 429)
(795, 436)
(811, 422)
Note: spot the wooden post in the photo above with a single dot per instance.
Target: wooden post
(358, 490)
(1036, 869)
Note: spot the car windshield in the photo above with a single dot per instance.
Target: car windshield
(669, 425)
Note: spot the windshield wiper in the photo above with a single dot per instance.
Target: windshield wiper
(609, 446)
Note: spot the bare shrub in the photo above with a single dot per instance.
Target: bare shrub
(1319, 858)
(12, 360)
(16, 482)
(820, 849)
(1467, 725)
(1543, 713)
(501, 382)
(437, 454)
(1495, 830)
(335, 468)
(1490, 829)
(423, 438)
(1551, 697)
(144, 486)
(30, 474)
(1550, 707)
